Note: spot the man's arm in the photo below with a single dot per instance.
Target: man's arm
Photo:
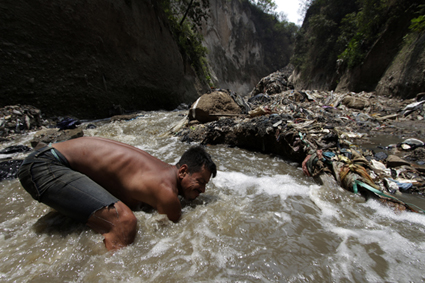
(169, 204)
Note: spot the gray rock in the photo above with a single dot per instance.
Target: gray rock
(380, 156)
(355, 102)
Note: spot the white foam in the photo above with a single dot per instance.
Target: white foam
(230, 236)
(159, 248)
(388, 213)
(282, 185)
(327, 208)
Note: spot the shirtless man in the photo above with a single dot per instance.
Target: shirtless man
(99, 181)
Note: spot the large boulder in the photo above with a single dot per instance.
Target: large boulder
(209, 107)
(355, 102)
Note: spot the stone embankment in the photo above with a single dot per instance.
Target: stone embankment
(327, 133)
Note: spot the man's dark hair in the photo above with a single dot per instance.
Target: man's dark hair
(195, 158)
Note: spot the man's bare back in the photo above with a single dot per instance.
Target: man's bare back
(134, 177)
(125, 171)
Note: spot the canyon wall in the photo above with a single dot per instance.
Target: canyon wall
(344, 46)
(244, 44)
(91, 58)
(94, 59)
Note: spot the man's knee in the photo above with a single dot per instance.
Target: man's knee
(126, 224)
(129, 225)
(117, 223)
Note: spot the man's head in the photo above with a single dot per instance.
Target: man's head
(194, 171)
(196, 158)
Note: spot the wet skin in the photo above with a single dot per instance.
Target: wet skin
(193, 184)
(134, 177)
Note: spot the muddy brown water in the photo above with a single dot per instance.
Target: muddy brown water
(260, 220)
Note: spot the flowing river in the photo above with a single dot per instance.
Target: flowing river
(260, 220)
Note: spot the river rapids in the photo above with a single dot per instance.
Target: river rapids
(260, 220)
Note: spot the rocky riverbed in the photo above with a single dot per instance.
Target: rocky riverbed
(368, 144)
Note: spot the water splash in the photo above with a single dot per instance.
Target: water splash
(259, 220)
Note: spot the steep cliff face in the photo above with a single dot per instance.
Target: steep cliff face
(85, 57)
(361, 46)
(405, 76)
(382, 56)
(317, 47)
(242, 45)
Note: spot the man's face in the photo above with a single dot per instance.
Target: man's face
(193, 184)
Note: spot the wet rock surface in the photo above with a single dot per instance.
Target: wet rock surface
(68, 58)
(9, 169)
(8, 164)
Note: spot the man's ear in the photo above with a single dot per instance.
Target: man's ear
(183, 171)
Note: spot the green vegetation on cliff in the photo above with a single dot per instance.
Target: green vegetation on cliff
(317, 44)
(277, 34)
(267, 6)
(186, 18)
(338, 35)
(418, 24)
(360, 30)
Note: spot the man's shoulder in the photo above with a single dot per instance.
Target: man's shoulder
(165, 191)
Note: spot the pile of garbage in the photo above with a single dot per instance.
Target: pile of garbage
(18, 118)
(276, 82)
(324, 132)
(8, 165)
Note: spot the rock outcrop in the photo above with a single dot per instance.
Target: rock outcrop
(406, 74)
(243, 45)
(388, 68)
(383, 54)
